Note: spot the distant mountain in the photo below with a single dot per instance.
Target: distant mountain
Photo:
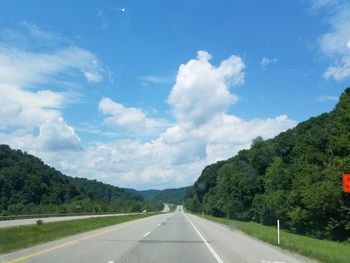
(294, 177)
(28, 186)
(173, 195)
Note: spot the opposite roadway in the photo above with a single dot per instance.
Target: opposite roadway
(32, 221)
(172, 237)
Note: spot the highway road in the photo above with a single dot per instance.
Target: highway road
(166, 208)
(32, 221)
(173, 237)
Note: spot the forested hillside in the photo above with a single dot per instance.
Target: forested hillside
(294, 177)
(28, 186)
(173, 196)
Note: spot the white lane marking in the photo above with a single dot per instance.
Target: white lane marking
(147, 234)
(111, 261)
(108, 230)
(216, 256)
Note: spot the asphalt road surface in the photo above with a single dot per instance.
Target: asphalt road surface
(32, 221)
(166, 208)
(173, 237)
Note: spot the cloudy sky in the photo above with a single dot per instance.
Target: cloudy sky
(144, 94)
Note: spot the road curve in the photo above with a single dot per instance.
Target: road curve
(166, 208)
(173, 237)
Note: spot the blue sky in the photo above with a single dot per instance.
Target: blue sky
(144, 94)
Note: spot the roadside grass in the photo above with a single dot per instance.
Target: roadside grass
(321, 250)
(15, 238)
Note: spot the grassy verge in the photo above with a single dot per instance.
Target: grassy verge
(15, 238)
(322, 250)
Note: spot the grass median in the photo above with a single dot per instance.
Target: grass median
(15, 238)
(321, 250)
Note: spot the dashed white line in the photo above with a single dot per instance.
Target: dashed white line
(147, 234)
(216, 256)
(111, 261)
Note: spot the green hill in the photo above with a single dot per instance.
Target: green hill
(294, 177)
(173, 196)
(28, 186)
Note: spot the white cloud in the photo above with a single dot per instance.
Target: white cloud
(204, 132)
(92, 76)
(56, 135)
(158, 80)
(265, 62)
(202, 90)
(174, 159)
(28, 108)
(38, 68)
(335, 43)
(229, 134)
(327, 98)
(101, 14)
(318, 4)
(128, 119)
(27, 102)
(178, 155)
(339, 71)
(131, 164)
(24, 73)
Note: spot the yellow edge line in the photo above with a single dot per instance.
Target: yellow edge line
(70, 243)
(43, 251)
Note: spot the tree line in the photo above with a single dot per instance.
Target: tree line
(294, 177)
(172, 195)
(28, 186)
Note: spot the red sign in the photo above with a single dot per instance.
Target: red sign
(346, 183)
